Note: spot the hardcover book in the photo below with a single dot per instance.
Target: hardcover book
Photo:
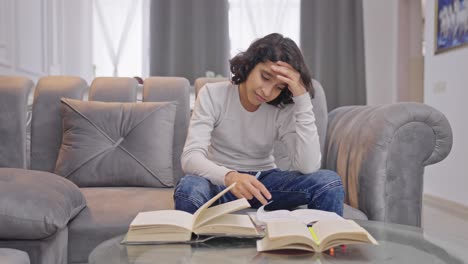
(318, 237)
(178, 226)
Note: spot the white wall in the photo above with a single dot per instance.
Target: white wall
(446, 89)
(380, 41)
(45, 37)
(25, 38)
(77, 37)
(393, 51)
(410, 60)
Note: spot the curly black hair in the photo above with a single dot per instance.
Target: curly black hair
(273, 47)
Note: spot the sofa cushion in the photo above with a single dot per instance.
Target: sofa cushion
(353, 213)
(109, 213)
(13, 256)
(52, 249)
(117, 144)
(35, 204)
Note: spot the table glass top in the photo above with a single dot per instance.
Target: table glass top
(397, 244)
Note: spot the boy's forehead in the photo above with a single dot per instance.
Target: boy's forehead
(265, 65)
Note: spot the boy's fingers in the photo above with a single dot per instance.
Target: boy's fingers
(281, 69)
(257, 194)
(257, 184)
(285, 79)
(237, 194)
(285, 64)
(246, 193)
(286, 69)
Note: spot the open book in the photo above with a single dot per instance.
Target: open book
(306, 216)
(319, 237)
(175, 226)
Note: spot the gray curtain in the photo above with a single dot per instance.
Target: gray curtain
(332, 40)
(189, 37)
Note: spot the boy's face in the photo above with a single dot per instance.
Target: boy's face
(262, 85)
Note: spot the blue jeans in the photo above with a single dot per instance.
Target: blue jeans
(321, 190)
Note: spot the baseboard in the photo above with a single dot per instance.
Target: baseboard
(449, 207)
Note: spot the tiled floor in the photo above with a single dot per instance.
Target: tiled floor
(445, 221)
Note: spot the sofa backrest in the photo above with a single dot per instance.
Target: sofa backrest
(200, 82)
(46, 127)
(161, 89)
(46, 123)
(321, 115)
(112, 89)
(14, 91)
(320, 109)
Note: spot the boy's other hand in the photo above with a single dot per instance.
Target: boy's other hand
(247, 186)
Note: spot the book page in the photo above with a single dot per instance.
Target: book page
(266, 244)
(200, 210)
(287, 235)
(229, 224)
(305, 216)
(341, 232)
(219, 210)
(321, 236)
(163, 217)
(325, 229)
(277, 215)
(283, 229)
(147, 237)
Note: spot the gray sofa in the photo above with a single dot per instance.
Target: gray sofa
(13, 256)
(380, 152)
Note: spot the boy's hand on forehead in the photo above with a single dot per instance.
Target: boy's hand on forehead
(286, 73)
(247, 186)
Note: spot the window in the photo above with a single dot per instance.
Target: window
(252, 19)
(118, 39)
(121, 31)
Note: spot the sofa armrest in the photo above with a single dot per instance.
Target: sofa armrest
(36, 204)
(381, 151)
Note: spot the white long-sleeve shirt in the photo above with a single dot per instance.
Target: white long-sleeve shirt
(223, 136)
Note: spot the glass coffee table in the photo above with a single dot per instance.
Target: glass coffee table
(398, 244)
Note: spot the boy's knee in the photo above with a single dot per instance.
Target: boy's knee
(194, 188)
(337, 191)
(330, 184)
(191, 183)
(191, 192)
(334, 181)
(331, 176)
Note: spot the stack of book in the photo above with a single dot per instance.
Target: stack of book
(305, 229)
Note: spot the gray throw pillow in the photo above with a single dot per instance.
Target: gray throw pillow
(36, 204)
(117, 144)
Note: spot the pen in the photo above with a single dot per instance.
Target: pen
(258, 174)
